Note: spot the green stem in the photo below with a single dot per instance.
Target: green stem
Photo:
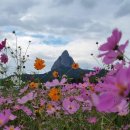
(102, 123)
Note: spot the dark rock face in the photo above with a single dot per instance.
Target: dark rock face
(65, 60)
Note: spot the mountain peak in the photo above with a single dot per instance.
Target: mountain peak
(65, 60)
(65, 53)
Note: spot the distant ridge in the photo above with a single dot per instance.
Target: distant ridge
(63, 66)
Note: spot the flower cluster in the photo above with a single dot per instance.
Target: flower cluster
(99, 102)
(3, 56)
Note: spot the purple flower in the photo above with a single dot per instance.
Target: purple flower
(55, 82)
(23, 90)
(4, 58)
(112, 48)
(23, 108)
(2, 100)
(70, 106)
(42, 102)
(5, 116)
(52, 107)
(2, 44)
(112, 41)
(123, 108)
(26, 110)
(106, 102)
(30, 96)
(92, 120)
(87, 105)
(3, 119)
(11, 128)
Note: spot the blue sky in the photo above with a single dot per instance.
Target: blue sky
(56, 25)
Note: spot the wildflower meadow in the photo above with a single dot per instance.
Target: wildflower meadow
(96, 103)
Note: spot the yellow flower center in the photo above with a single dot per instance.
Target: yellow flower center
(121, 89)
(55, 74)
(1, 122)
(11, 128)
(49, 106)
(36, 111)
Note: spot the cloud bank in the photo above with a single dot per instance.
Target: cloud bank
(56, 25)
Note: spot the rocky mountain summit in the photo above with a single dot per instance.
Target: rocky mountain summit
(65, 60)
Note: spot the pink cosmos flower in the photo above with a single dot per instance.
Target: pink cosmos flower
(11, 128)
(52, 107)
(16, 107)
(23, 108)
(92, 120)
(112, 48)
(5, 116)
(107, 102)
(2, 100)
(4, 58)
(42, 102)
(9, 100)
(3, 119)
(68, 87)
(123, 108)
(1, 47)
(84, 95)
(82, 85)
(26, 110)
(23, 90)
(111, 56)
(79, 98)
(70, 106)
(118, 82)
(112, 92)
(2, 44)
(30, 96)
(55, 82)
(87, 105)
(112, 41)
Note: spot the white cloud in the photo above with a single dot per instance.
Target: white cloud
(83, 22)
(79, 49)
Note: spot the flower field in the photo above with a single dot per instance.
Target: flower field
(97, 103)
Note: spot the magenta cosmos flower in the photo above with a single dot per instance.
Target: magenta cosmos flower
(24, 108)
(111, 93)
(11, 128)
(4, 58)
(2, 100)
(23, 90)
(70, 106)
(92, 120)
(55, 82)
(52, 107)
(112, 41)
(112, 50)
(30, 96)
(123, 108)
(5, 116)
(118, 83)
(106, 102)
(3, 119)
(2, 44)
